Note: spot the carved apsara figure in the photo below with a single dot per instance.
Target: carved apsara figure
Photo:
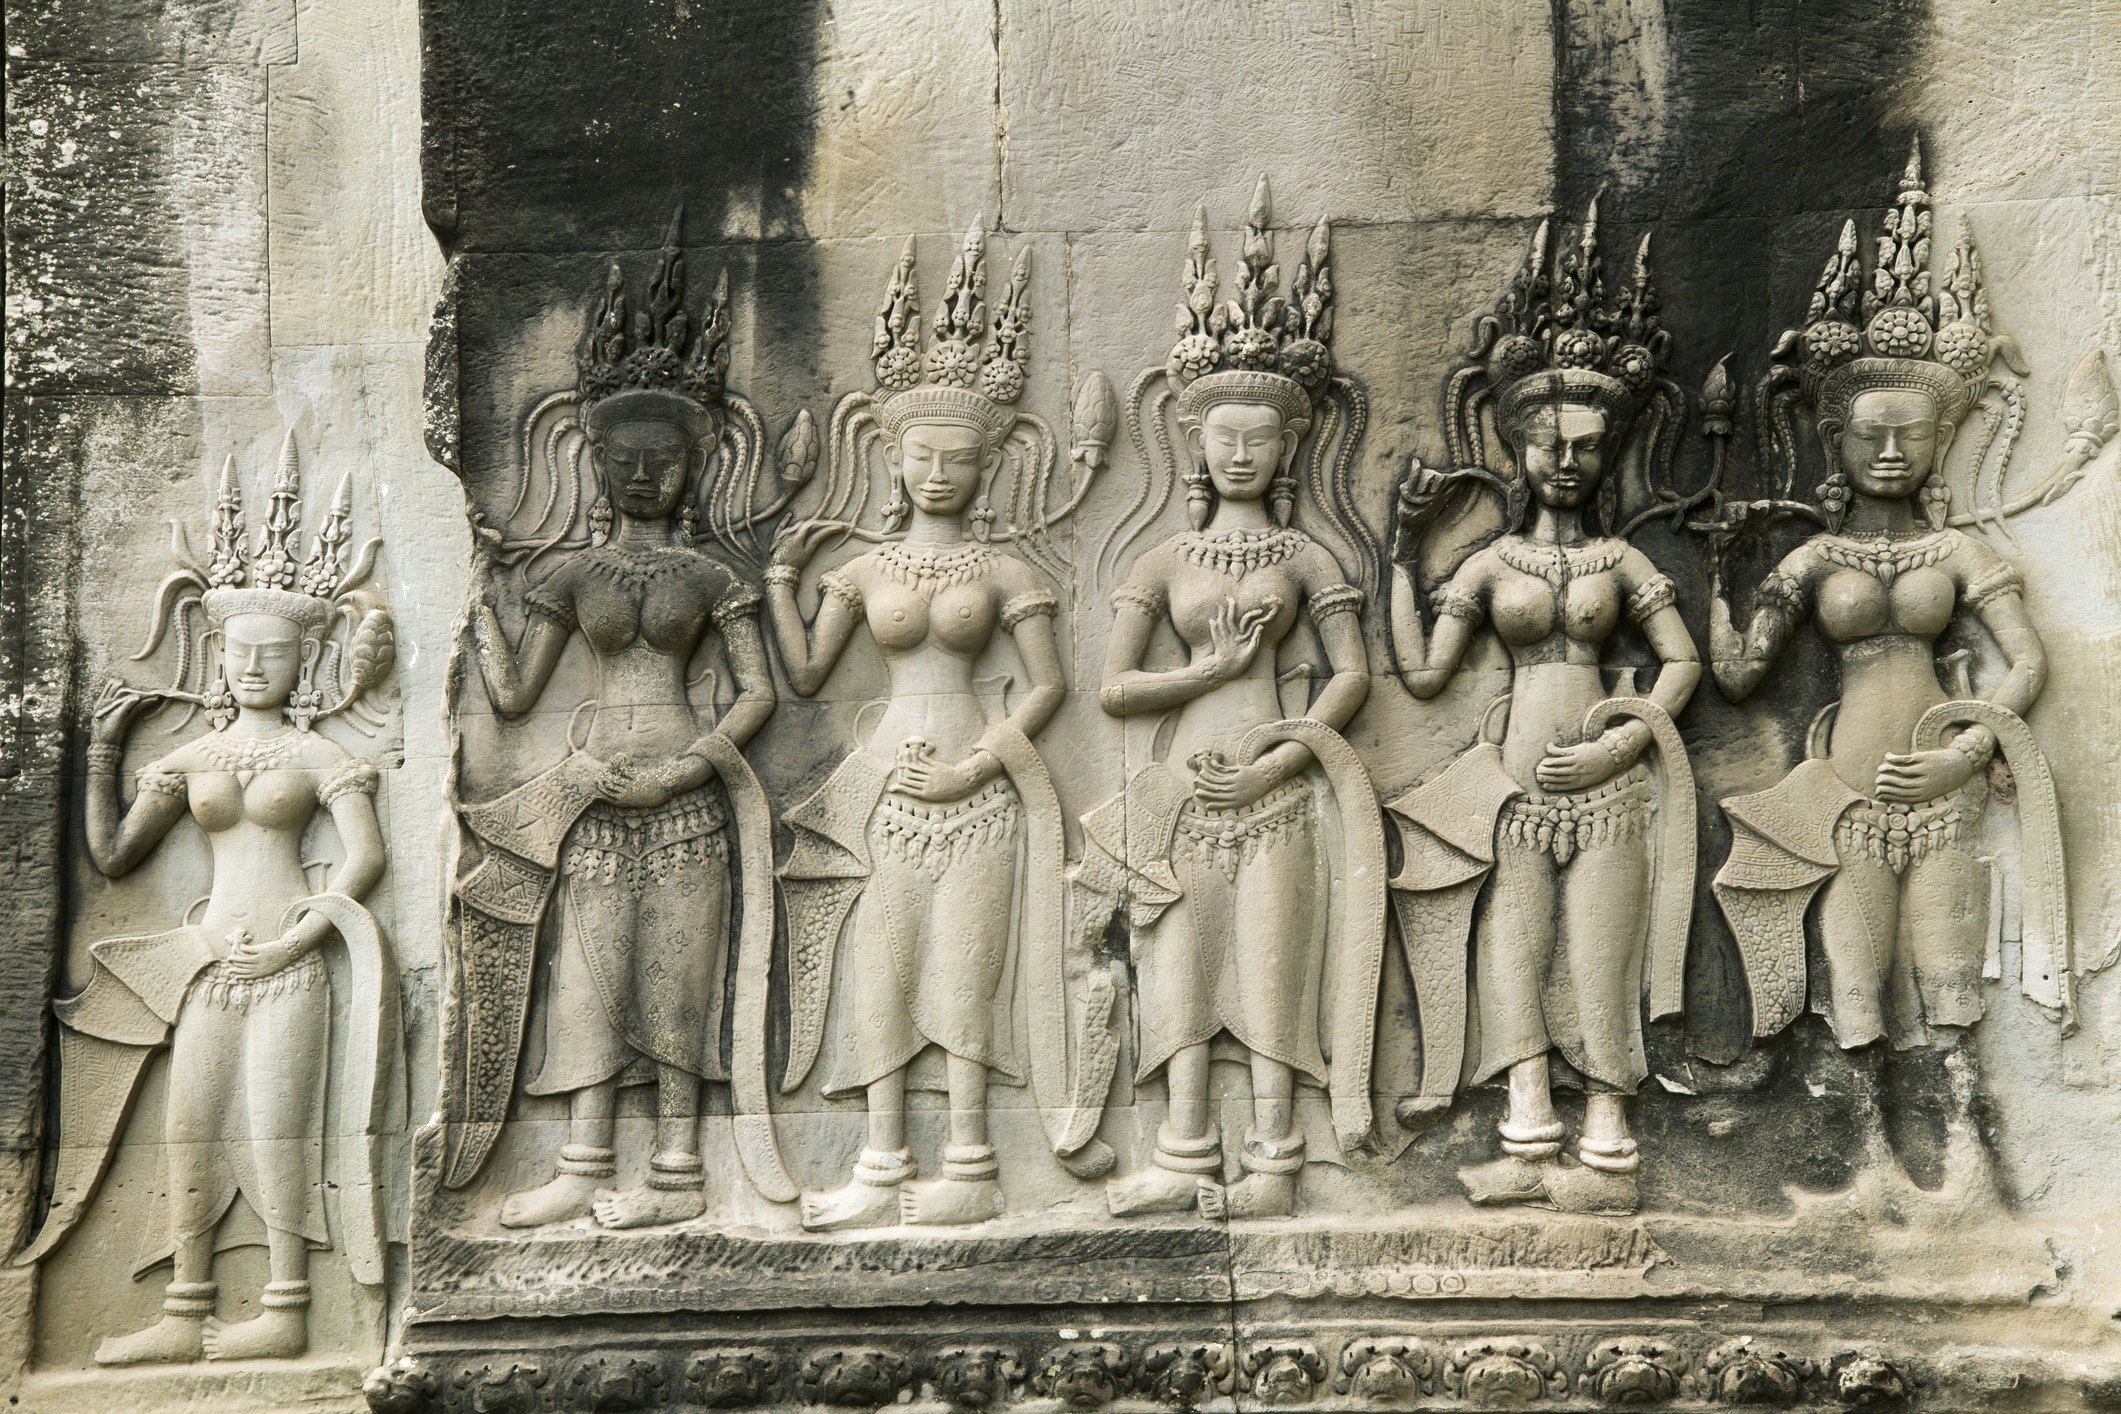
(1568, 857)
(926, 872)
(621, 854)
(1224, 847)
(241, 996)
(1874, 837)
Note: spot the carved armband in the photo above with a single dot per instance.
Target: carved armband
(549, 606)
(1334, 599)
(1134, 596)
(161, 782)
(356, 775)
(741, 602)
(1032, 603)
(1452, 602)
(785, 576)
(1993, 583)
(1652, 594)
(105, 755)
(841, 588)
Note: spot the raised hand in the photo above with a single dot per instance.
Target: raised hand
(115, 708)
(1234, 639)
(796, 545)
(1414, 508)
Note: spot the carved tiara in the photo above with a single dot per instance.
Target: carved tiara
(1894, 331)
(1562, 343)
(648, 362)
(1258, 347)
(273, 581)
(960, 379)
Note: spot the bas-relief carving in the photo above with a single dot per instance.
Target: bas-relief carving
(270, 644)
(1563, 841)
(1874, 846)
(644, 852)
(1545, 877)
(1222, 846)
(924, 887)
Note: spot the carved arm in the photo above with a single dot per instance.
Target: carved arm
(1426, 664)
(809, 651)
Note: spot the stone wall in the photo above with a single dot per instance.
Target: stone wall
(216, 250)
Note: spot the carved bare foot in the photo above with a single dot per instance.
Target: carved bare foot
(171, 1340)
(1508, 1179)
(1262, 1195)
(1157, 1189)
(565, 1198)
(1580, 1189)
(950, 1202)
(648, 1206)
(855, 1204)
(269, 1335)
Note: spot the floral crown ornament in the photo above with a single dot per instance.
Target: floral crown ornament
(1262, 347)
(972, 374)
(1554, 338)
(655, 361)
(1896, 327)
(352, 642)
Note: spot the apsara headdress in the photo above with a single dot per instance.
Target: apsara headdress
(1553, 338)
(971, 374)
(1893, 330)
(321, 593)
(654, 362)
(1257, 347)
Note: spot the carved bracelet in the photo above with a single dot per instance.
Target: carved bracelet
(788, 576)
(105, 755)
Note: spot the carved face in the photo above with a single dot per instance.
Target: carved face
(1244, 445)
(262, 657)
(1892, 441)
(1563, 453)
(645, 464)
(941, 465)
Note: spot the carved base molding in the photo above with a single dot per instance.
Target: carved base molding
(1197, 1359)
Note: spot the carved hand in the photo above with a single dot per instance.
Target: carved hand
(1912, 777)
(796, 545)
(925, 778)
(1234, 638)
(250, 959)
(1415, 507)
(1221, 784)
(633, 788)
(1578, 767)
(115, 708)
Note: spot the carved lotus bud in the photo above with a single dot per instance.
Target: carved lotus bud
(1717, 402)
(731, 1379)
(1082, 1374)
(1284, 1374)
(797, 454)
(1094, 421)
(1516, 356)
(861, 1377)
(1831, 342)
(1002, 380)
(1578, 348)
(898, 369)
(952, 363)
(1309, 363)
(1899, 332)
(1251, 347)
(615, 1384)
(975, 1376)
(1188, 1375)
(1505, 1373)
(1743, 1372)
(1633, 1370)
(1385, 1370)
(1193, 356)
(1866, 1378)
(404, 1386)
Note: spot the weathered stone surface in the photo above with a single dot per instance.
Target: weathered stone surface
(214, 238)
